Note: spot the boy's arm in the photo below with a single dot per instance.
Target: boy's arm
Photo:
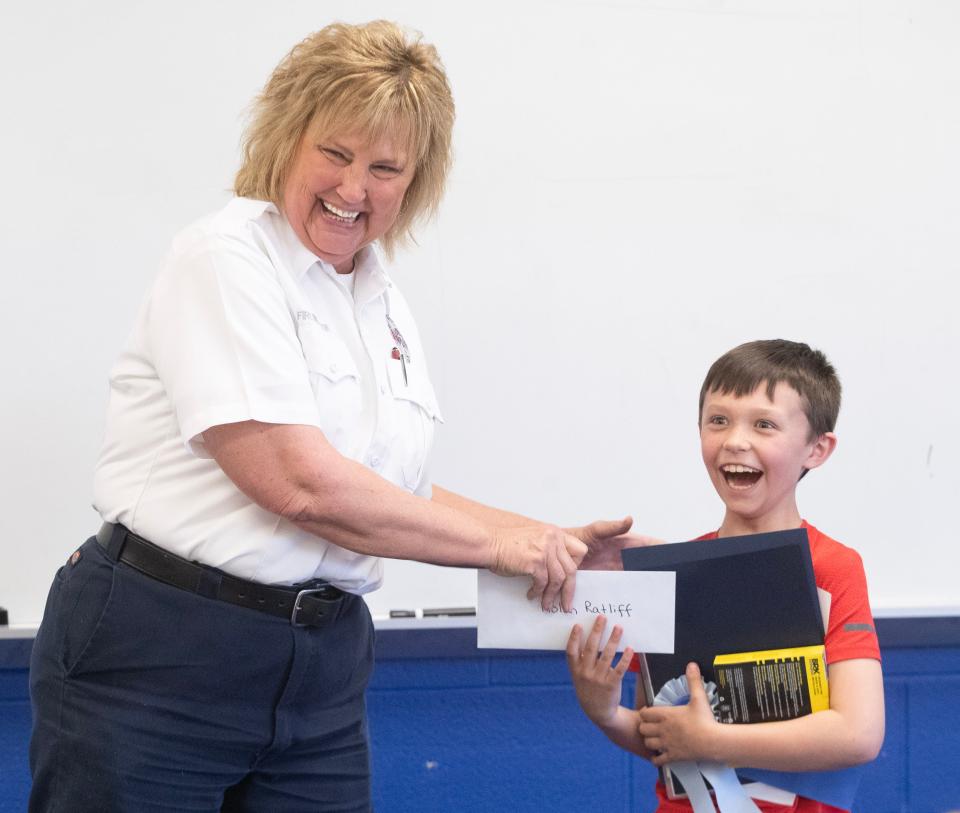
(641, 703)
(849, 733)
(598, 685)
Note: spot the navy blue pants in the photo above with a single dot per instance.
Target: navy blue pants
(149, 698)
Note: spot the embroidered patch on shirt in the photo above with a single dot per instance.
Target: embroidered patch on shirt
(307, 316)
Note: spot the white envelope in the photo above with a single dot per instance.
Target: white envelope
(642, 602)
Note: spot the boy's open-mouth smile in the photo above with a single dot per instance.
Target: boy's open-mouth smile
(739, 476)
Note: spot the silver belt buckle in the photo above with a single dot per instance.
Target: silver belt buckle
(297, 603)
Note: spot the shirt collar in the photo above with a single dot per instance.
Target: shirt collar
(296, 256)
(371, 279)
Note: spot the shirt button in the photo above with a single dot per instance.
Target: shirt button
(375, 462)
(333, 368)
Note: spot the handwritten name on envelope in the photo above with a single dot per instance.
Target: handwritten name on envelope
(642, 602)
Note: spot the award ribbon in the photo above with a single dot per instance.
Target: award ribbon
(731, 797)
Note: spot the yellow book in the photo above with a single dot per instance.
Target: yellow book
(775, 684)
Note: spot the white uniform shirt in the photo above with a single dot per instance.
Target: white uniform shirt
(244, 323)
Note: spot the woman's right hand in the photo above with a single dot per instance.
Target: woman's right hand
(545, 553)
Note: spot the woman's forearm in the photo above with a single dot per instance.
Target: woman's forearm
(495, 517)
(360, 511)
(294, 472)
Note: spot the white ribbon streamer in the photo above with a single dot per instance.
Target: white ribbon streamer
(731, 797)
(696, 789)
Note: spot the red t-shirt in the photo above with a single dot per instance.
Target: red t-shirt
(837, 570)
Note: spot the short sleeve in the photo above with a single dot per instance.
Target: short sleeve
(223, 340)
(851, 632)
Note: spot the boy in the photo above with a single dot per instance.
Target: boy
(767, 414)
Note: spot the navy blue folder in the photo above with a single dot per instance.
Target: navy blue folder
(736, 594)
(741, 594)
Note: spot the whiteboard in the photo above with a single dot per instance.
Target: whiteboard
(639, 186)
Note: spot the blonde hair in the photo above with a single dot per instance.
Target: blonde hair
(373, 78)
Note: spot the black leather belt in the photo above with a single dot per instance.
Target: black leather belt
(310, 604)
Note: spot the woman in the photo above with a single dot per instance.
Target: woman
(267, 438)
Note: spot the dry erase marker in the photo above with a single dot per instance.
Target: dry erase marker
(442, 611)
(403, 613)
(435, 612)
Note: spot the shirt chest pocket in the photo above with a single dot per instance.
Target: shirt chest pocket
(334, 378)
(415, 411)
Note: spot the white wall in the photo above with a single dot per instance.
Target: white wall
(639, 186)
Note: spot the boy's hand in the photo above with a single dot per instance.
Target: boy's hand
(605, 539)
(595, 679)
(676, 733)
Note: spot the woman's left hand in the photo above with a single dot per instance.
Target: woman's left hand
(605, 539)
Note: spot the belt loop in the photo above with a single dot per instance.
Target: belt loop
(118, 536)
(208, 585)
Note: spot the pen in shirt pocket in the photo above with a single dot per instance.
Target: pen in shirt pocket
(400, 350)
(397, 353)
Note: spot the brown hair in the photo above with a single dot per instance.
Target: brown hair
(374, 78)
(771, 361)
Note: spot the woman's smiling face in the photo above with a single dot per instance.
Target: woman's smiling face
(343, 192)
